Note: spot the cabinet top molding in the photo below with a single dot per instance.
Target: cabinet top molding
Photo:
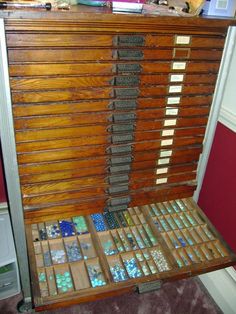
(83, 18)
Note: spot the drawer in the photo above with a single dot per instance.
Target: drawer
(46, 83)
(8, 286)
(109, 93)
(111, 68)
(161, 241)
(96, 40)
(103, 54)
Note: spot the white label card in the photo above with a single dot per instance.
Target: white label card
(170, 122)
(161, 170)
(163, 161)
(182, 40)
(176, 77)
(172, 111)
(179, 65)
(175, 89)
(166, 153)
(166, 142)
(168, 132)
(173, 100)
(161, 180)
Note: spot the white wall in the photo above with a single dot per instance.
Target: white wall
(228, 105)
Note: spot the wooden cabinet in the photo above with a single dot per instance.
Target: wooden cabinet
(110, 113)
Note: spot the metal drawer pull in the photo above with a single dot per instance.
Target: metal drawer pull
(130, 40)
(130, 54)
(121, 160)
(128, 68)
(122, 138)
(126, 92)
(115, 169)
(119, 201)
(122, 128)
(125, 104)
(118, 189)
(120, 149)
(118, 179)
(149, 286)
(119, 117)
(126, 80)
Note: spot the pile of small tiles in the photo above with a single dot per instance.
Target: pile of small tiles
(58, 256)
(108, 248)
(111, 220)
(73, 251)
(160, 260)
(99, 222)
(118, 273)
(53, 231)
(64, 282)
(67, 228)
(132, 268)
(80, 225)
(96, 276)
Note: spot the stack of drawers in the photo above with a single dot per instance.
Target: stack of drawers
(110, 113)
(114, 119)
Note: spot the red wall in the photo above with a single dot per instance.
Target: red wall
(218, 193)
(3, 196)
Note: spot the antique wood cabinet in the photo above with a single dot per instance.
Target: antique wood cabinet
(110, 113)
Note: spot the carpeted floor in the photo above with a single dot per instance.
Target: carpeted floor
(186, 296)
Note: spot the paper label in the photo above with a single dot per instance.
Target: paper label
(163, 161)
(166, 142)
(170, 122)
(173, 100)
(166, 153)
(176, 77)
(175, 89)
(179, 65)
(161, 180)
(168, 132)
(161, 170)
(172, 111)
(182, 40)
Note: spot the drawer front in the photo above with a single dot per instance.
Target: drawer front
(113, 68)
(101, 81)
(105, 54)
(129, 40)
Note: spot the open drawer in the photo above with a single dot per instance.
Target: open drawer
(81, 258)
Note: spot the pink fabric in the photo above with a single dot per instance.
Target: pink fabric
(218, 193)
(3, 196)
